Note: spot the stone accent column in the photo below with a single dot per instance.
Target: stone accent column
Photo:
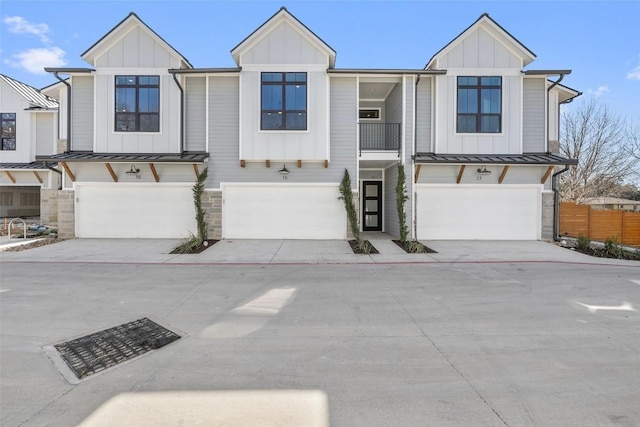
(62, 146)
(66, 214)
(49, 206)
(212, 205)
(547, 215)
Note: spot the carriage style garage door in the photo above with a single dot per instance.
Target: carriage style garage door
(474, 212)
(282, 211)
(123, 210)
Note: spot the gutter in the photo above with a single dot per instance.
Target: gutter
(556, 202)
(175, 79)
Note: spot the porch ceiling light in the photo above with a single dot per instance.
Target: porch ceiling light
(134, 170)
(284, 172)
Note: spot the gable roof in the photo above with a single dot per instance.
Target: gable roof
(485, 20)
(36, 98)
(283, 15)
(89, 54)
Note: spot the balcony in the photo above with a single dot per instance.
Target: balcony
(380, 137)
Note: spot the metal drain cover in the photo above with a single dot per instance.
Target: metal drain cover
(102, 350)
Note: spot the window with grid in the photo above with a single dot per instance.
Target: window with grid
(8, 131)
(479, 105)
(137, 104)
(284, 101)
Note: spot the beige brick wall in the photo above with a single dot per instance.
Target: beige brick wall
(66, 216)
(62, 146)
(212, 205)
(49, 206)
(547, 216)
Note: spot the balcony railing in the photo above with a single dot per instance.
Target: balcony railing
(380, 137)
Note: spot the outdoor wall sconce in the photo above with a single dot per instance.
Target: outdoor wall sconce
(134, 171)
(483, 171)
(284, 172)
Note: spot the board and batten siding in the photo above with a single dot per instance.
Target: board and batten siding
(224, 140)
(391, 225)
(479, 49)
(82, 113)
(167, 140)
(310, 144)
(137, 49)
(45, 133)
(196, 114)
(533, 125)
(424, 115)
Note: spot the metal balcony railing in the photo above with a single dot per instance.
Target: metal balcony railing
(380, 137)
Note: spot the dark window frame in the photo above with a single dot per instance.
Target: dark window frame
(8, 136)
(478, 87)
(284, 111)
(120, 117)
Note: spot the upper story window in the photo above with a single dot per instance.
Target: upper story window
(479, 105)
(137, 104)
(284, 101)
(8, 131)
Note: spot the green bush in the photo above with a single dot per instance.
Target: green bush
(583, 243)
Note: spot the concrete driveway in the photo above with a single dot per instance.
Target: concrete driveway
(527, 335)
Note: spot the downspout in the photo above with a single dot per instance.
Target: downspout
(55, 73)
(556, 202)
(175, 79)
(58, 171)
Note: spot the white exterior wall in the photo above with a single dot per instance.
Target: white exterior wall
(533, 110)
(554, 116)
(82, 113)
(12, 102)
(45, 135)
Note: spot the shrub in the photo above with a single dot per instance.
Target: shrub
(401, 198)
(583, 243)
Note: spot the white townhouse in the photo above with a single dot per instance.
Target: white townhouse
(476, 132)
(29, 128)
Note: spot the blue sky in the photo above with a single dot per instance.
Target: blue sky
(598, 40)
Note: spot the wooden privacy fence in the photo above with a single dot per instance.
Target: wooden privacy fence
(599, 225)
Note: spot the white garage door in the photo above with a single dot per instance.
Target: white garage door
(124, 210)
(492, 212)
(285, 211)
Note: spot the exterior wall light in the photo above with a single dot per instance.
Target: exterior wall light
(134, 171)
(483, 171)
(284, 172)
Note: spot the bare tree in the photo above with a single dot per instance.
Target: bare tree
(599, 140)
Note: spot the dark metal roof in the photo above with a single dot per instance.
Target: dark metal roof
(501, 159)
(85, 156)
(25, 166)
(31, 94)
(384, 71)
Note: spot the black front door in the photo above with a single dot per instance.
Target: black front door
(372, 205)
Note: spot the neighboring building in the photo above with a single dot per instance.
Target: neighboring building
(476, 135)
(614, 203)
(29, 128)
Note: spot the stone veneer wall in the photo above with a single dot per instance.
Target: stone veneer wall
(66, 214)
(547, 215)
(212, 204)
(49, 206)
(62, 146)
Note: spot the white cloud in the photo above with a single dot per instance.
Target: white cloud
(34, 60)
(19, 25)
(635, 73)
(599, 92)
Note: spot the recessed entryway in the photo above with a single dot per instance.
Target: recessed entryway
(372, 205)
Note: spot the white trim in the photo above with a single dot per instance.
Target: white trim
(404, 119)
(207, 123)
(327, 145)
(285, 68)
(357, 144)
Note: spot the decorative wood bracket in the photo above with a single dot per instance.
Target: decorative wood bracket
(417, 174)
(114, 177)
(68, 171)
(326, 164)
(38, 177)
(546, 175)
(195, 169)
(503, 174)
(459, 178)
(242, 164)
(11, 177)
(299, 163)
(268, 163)
(154, 172)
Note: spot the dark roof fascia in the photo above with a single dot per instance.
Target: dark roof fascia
(273, 16)
(143, 23)
(498, 159)
(385, 71)
(546, 72)
(204, 70)
(68, 70)
(33, 166)
(474, 23)
(85, 156)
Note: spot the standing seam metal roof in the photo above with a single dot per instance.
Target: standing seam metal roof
(31, 94)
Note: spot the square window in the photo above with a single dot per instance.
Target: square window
(283, 101)
(137, 104)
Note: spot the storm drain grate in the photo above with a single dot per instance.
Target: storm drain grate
(102, 350)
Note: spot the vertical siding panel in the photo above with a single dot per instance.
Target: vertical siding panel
(195, 114)
(44, 134)
(424, 114)
(533, 116)
(82, 113)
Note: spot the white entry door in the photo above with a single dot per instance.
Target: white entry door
(282, 211)
(478, 212)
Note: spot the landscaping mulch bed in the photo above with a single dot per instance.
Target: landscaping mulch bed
(196, 249)
(414, 247)
(358, 250)
(31, 245)
(603, 253)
